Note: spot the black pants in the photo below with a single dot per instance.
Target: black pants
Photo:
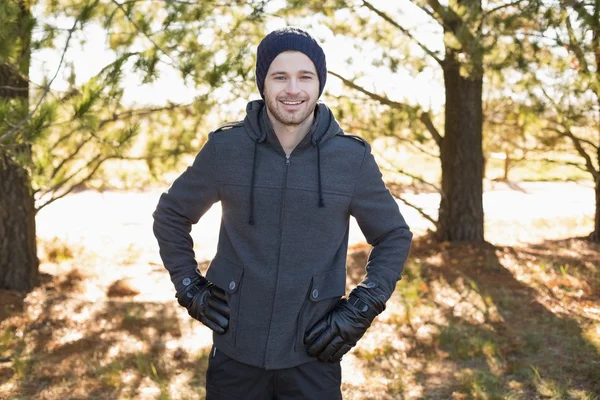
(227, 379)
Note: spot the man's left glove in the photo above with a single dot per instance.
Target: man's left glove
(206, 303)
(336, 333)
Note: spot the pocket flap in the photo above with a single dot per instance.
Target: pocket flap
(225, 274)
(328, 284)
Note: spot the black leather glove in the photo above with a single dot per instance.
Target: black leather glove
(207, 303)
(336, 333)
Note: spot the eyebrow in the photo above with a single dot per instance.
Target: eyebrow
(300, 72)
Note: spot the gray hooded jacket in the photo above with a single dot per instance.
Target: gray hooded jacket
(281, 255)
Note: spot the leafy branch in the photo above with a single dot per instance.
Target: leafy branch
(84, 13)
(424, 116)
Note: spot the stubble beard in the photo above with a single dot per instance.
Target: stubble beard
(288, 118)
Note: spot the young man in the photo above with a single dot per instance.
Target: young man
(288, 180)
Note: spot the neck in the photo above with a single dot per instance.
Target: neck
(290, 135)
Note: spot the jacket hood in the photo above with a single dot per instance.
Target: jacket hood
(325, 126)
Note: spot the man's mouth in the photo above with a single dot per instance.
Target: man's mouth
(292, 103)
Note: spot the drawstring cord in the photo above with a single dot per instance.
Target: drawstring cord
(251, 216)
(321, 202)
(252, 183)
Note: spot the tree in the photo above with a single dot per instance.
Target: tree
(52, 142)
(565, 84)
(470, 35)
(17, 216)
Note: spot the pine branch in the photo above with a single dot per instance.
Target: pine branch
(60, 184)
(452, 22)
(423, 116)
(388, 19)
(560, 162)
(140, 30)
(395, 189)
(15, 129)
(574, 46)
(414, 177)
(588, 160)
(501, 6)
(420, 149)
(119, 117)
(69, 157)
(97, 159)
(381, 99)
(564, 134)
(14, 88)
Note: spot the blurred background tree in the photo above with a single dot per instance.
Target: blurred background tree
(563, 82)
(54, 142)
(520, 80)
(18, 260)
(472, 39)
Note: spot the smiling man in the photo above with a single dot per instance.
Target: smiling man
(288, 179)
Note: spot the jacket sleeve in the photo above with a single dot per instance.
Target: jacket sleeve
(182, 205)
(379, 219)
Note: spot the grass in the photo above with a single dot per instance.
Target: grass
(499, 327)
(465, 322)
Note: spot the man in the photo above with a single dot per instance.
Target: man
(288, 180)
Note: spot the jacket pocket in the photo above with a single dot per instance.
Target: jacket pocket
(324, 291)
(228, 276)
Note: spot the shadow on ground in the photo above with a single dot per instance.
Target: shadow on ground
(466, 322)
(479, 322)
(65, 347)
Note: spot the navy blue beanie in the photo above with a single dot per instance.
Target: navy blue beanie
(285, 39)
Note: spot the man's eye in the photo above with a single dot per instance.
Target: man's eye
(306, 77)
(279, 78)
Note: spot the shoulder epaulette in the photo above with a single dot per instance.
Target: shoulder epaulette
(355, 137)
(229, 125)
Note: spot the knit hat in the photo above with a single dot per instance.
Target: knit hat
(284, 39)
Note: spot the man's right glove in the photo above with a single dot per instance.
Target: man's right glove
(207, 303)
(336, 333)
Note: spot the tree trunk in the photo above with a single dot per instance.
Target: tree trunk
(506, 165)
(18, 254)
(461, 206)
(595, 235)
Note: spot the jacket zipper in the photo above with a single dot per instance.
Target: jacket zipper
(281, 215)
(281, 221)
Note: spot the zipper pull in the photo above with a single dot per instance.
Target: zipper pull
(287, 160)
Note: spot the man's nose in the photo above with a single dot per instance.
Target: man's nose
(292, 87)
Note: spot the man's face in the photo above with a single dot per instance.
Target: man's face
(291, 88)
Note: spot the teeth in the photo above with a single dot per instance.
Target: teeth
(291, 102)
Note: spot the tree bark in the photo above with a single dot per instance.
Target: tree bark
(461, 205)
(595, 235)
(18, 253)
(18, 256)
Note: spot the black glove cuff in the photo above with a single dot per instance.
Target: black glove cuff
(186, 297)
(366, 302)
(358, 303)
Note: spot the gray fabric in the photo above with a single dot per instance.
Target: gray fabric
(287, 270)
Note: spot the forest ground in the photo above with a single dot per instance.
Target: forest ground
(518, 318)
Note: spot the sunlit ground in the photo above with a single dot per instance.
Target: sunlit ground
(520, 320)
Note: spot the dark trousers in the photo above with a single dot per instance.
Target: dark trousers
(227, 379)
